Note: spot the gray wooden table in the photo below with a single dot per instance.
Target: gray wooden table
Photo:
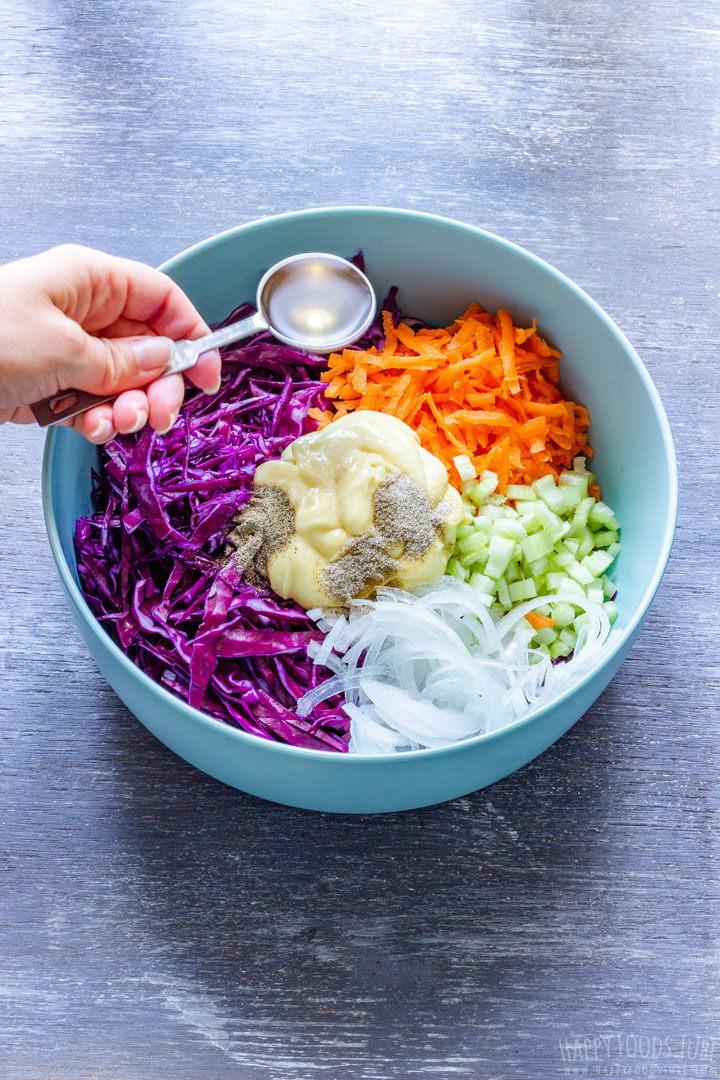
(564, 921)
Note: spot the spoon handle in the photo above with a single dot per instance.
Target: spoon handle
(68, 403)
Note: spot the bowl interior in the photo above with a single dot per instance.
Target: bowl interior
(440, 267)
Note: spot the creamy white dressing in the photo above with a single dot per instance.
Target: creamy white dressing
(330, 478)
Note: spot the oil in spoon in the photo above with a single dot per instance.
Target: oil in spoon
(317, 301)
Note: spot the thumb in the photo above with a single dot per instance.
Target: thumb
(109, 365)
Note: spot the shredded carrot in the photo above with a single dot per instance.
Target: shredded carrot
(481, 386)
(539, 622)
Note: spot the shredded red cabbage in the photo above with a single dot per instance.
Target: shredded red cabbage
(150, 558)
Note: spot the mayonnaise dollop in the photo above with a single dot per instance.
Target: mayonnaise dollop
(330, 478)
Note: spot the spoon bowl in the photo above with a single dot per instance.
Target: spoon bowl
(316, 302)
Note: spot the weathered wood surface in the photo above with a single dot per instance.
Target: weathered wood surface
(156, 923)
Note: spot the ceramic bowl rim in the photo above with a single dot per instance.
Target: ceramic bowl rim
(351, 760)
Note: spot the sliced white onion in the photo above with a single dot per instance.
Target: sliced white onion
(434, 667)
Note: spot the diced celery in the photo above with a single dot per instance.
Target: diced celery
(611, 610)
(484, 489)
(580, 573)
(546, 484)
(544, 609)
(580, 517)
(554, 580)
(600, 514)
(597, 563)
(513, 572)
(580, 620)
(575, 587)
(609, 586)
(548, 491)
(549, 521)
(530, 524)
(538, 568)
(522, 590)
(487, 513)
(511, 527)
(535, 546)
(563, 614)
(549, 538)
(570, 499)
(571, 478)
(500, 553)
(466, 469)
(473, 544)
(605, 538)
(503, 593)
(456, 570)
(579, 463)
(586, 542)
(594, 592)
(520, 491)
(579, 481)
(481, 583)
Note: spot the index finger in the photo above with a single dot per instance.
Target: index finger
(154, 299)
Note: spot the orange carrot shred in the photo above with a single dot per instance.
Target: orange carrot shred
(480, 387)
(539, 622)
(507, 351)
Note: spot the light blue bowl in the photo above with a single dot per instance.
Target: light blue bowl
(440, 266)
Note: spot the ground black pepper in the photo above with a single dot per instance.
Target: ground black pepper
(405, 527)
(260, 529)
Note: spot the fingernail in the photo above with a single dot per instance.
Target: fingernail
(173, 418)
(216, 386)
(142, 418)
(153, 352)
(102, 431)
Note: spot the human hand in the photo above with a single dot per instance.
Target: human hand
(77, 318)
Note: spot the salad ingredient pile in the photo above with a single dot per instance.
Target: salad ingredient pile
(370, 506)
(295, 557)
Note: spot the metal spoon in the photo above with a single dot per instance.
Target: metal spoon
(313, 302)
